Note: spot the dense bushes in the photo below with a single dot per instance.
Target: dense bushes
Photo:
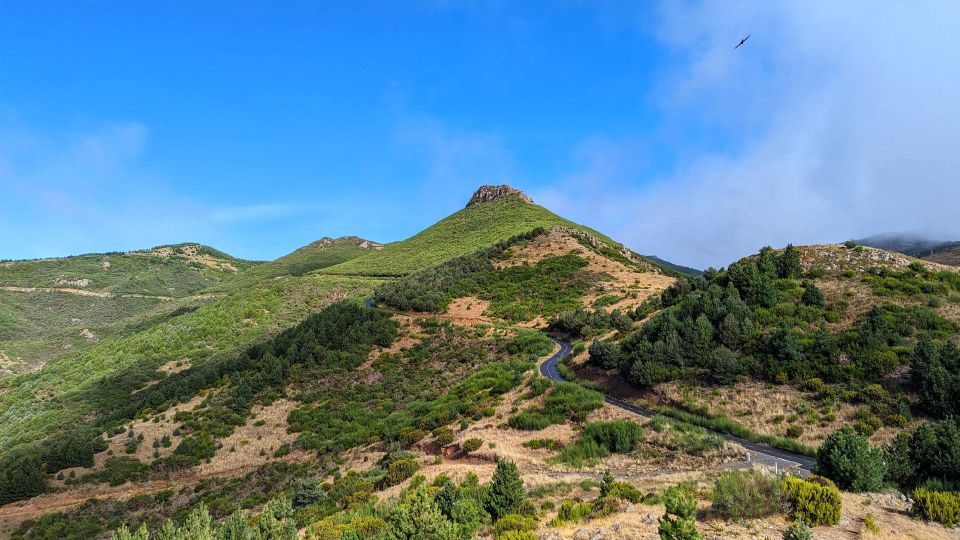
(517, 293)
(936, 377)
(581, 323)
(931, 452)
(939, 506)
(341, 334)
(755, 318)
(815, 501)
(846, 457)
(747, 495)
(565, 401)
(599, 439)
(605, 355)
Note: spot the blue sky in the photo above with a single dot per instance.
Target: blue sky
(258, 127)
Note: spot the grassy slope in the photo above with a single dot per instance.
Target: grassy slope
(320, 254)
(464, 232)
(40, 326)
(176, 275)
(61, 394)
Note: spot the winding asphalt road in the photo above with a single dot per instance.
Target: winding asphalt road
(758, 452)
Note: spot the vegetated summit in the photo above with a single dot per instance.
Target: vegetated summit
(276, 403)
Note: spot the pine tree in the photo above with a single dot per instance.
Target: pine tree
(606, 484)
(506, 490)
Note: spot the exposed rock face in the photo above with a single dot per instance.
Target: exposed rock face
(64, 282)
(495, 193)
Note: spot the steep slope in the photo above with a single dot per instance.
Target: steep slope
(488, 220)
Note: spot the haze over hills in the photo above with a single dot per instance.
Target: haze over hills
(913, 244)
(274, 392)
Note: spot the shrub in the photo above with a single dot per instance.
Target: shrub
(679, 521)
(537, 444)
(625, 491)
(813, 502)
(870, 524)
(747, 495)
(565, 401)
(572, 511)
(400, 470)
(798, 530)
(517, 535)
(931, 451)
(471, 445)
(599, 439)
(506, 490)
(444, 435)
(794, 431)
(605, 355)
(513, 522)
(940, 506)
(846, 457)
(197, 447)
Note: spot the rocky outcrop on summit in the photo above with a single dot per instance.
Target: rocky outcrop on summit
(495, 193)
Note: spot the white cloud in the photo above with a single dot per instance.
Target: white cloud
(841, 121)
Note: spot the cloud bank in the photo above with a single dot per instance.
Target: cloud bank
(835, 121)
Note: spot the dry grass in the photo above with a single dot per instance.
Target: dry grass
(468, 311)
(756, 405)
(254, 443)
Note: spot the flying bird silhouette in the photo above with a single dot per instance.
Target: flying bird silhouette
(742, 41)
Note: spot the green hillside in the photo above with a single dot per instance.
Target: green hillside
(176, 271)
(464, 232)
(314, 256)
(37, 405)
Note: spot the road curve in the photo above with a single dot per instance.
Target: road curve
(759, 452)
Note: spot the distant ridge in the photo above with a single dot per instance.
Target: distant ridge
(913, 244)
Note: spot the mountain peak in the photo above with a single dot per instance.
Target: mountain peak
(495, 193)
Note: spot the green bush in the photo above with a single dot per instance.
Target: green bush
(625, 491)
(444, 435)
(565, 401)
(572, 512)
(605, 355)
(812, 501)
(798, 530)
(400, 470)
(940, 506)
(846, 457)
(513, 522)
(471, 445)
(747, 495)
(599, 439)
(517, 535)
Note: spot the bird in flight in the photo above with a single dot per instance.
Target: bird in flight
(742, 41)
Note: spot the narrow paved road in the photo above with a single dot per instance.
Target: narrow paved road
(758, 452)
